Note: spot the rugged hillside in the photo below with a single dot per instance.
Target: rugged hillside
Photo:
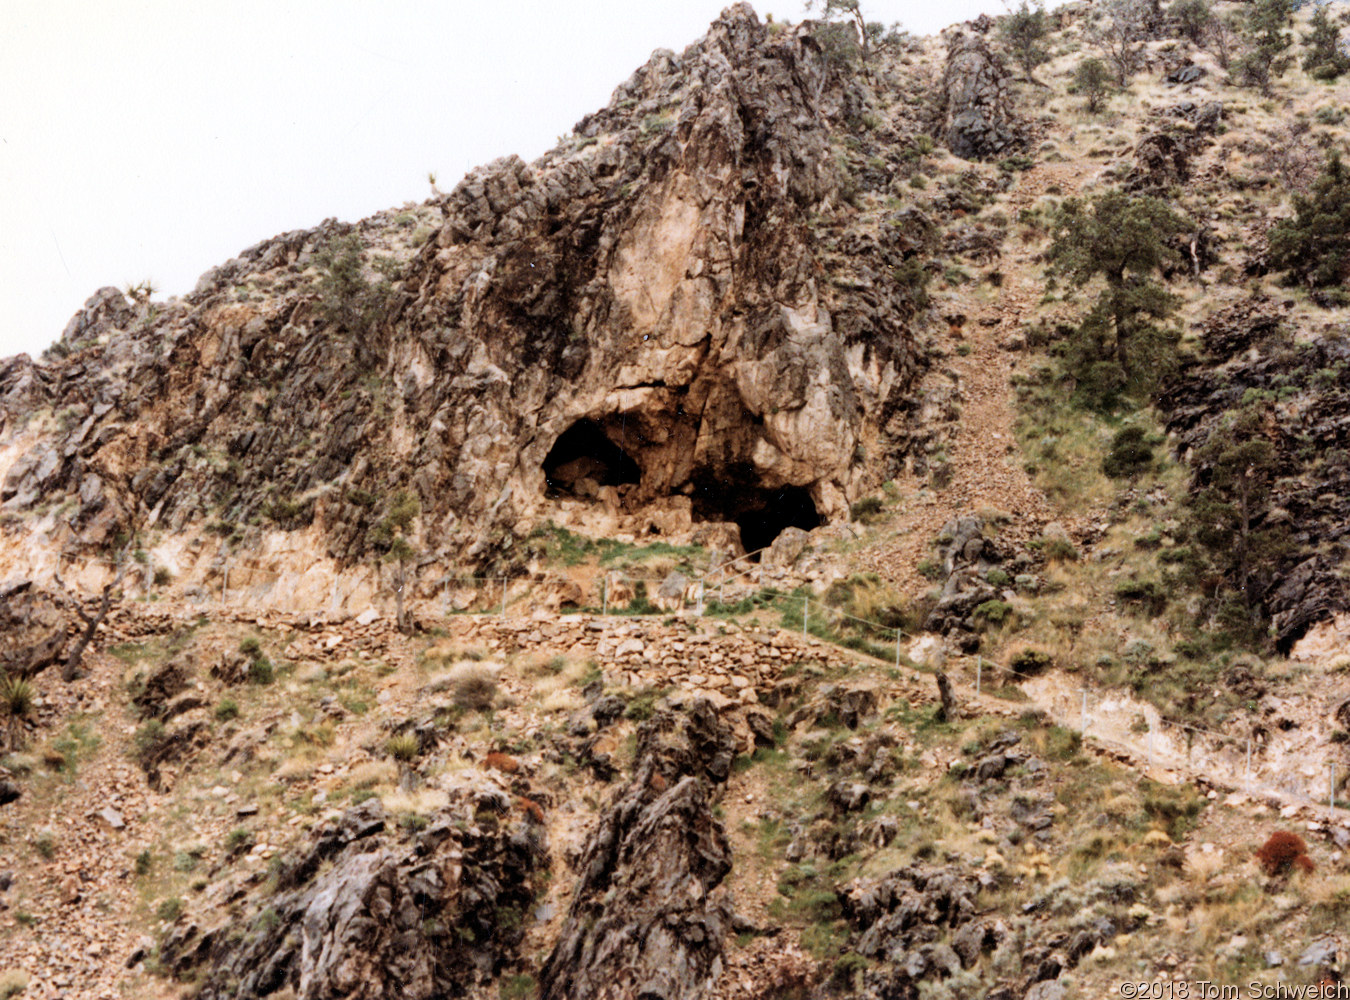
(365, 628)
(652, 313)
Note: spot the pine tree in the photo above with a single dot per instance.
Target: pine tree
(1237, 467)
(1122, 239)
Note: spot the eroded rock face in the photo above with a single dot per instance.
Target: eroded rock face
(371, 912)
(646, 920)
(655, 275)
(977, 106)
(33, 628)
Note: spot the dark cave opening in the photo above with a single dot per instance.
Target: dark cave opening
(760, 513)
(584, 459)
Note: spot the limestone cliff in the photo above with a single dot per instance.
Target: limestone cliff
(643, 328)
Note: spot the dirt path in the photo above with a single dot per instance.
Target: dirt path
(983, 456)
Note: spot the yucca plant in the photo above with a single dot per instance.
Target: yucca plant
(403, 747)
(16, 696)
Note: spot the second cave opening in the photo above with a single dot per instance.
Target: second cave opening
(761, 513)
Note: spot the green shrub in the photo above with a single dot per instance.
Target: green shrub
(1149, 595)
(169, 909)
(261, 671)
(996, 577)
(930, 569)
(1130, 453)
(1059, 550)
(994, 612)
(1031, 662)
(239, 840)
(147, 737)
(867, 509)
(45, 844)
(226, 710)
(474, 686)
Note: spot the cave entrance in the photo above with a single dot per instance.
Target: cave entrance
(584, 458)
(760, 513)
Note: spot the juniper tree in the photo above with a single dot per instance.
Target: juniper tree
(1314, 245)
(848, 10)
(1022, 32)
(1324, 58)
(1193, 18)
(1267, 39)
(1092, 80)
(1124, 240)
(348, 300)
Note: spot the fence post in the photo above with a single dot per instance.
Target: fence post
(503, 597)
(979, 670)
(604, 594)
(722, 591)
(1331, 791)
(806, 610)
(1083, 728)
(700, 598)
(897, 649)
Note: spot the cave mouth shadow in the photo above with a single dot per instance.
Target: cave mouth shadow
(761, 513)
(584, 458)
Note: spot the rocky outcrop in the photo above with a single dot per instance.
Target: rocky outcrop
(649, 296)
(1304, 401)
(976, 103)
(966, 558)
(373, 911)
(33, 628)
(646, 920)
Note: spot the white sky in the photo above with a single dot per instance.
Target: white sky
(156, 138)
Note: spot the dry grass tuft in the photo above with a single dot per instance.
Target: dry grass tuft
(373, 773)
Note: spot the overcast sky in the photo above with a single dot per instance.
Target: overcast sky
(154, 138)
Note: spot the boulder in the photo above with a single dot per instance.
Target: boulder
(787, 547)
(158, 689)
(33, 628)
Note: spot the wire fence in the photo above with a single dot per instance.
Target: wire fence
(1250, 763)
(1159, 746)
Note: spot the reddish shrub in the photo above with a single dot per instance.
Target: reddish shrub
(501, 762)
(1284, 850)
(531, 809)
